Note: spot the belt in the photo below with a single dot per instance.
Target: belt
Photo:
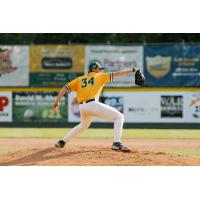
(87, 101)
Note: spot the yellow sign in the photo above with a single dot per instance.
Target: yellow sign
(57, 58)
(158, 66)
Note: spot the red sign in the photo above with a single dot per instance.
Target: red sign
(3, 102)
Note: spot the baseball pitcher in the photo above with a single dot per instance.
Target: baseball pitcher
(88, 88)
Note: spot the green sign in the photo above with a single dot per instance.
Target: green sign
(37, 107)
(52, 79)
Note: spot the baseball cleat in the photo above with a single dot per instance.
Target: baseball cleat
(118, 146)
(60, 144)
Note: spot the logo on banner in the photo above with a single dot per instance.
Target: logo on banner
(186, 62)
(114, 101)
(75, 107)
(5, 107)
(5, 62)
(158, 66)
(57, 63)
(195, 105)
(143, 111)
(3, 102)
(171, 106)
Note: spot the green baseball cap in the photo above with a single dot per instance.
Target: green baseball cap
(95, 65)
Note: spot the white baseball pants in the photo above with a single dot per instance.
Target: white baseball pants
(100, 110)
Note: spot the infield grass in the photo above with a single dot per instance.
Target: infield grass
(5, 150)
(185, 152)
(100, 133)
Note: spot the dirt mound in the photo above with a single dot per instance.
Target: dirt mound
(89, 156)
(95, 152)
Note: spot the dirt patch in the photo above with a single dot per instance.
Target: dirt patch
(95, 152)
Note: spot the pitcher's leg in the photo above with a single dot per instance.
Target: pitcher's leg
(118, 126)
(85, 123)
(109, 113)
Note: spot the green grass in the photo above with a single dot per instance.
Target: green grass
(185, 152)
(4, 150)
(100, 133)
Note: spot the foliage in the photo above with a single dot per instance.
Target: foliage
(97, 38)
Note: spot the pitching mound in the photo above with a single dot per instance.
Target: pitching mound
(85, 153)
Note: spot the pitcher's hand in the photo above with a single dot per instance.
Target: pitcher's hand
(55, 106)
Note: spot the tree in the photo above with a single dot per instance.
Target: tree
(95, 38)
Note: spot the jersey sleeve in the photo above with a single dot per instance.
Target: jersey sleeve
(107, 78)
(71, 86)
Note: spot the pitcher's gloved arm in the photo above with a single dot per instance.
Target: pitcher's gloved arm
(124, 72)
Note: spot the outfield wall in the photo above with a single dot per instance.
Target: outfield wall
(142, 107)
(31, 77)
(164, 65)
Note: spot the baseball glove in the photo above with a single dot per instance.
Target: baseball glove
(139, 78)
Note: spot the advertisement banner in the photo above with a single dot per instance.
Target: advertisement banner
(155, 107)
(55, 65)
(37, 107)
(14, 66)
(171, 106)
(172, 65)
(192, 107)
(5, 107)
(147, 107)
(116, 58)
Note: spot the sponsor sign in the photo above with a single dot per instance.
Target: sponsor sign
(147, 107)
(14, 65)
(57, 58)
(5, 107)
(55, 65)
(116, 58)
(171, 106)
(172, 65)
(142, 107)
(37, 107)
(192, 107)
(52, 79)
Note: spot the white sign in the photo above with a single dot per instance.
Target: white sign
(14, 65)
(116, 58)
(5, 107)
(192, 107)
(148, 107)
(153, 107)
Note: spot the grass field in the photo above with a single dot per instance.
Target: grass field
(100, 133)
(185, 152)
